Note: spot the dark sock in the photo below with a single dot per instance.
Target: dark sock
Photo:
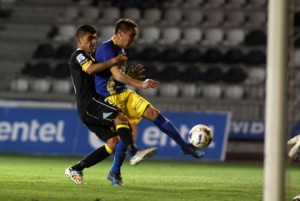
(125, 134)
(93, 158)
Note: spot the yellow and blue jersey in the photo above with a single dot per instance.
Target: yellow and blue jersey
(105, 83)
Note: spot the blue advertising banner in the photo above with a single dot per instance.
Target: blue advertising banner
(58, 131)
(247, 130)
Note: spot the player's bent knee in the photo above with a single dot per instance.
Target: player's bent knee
(121, 119)
(112, 143)
(151, 113)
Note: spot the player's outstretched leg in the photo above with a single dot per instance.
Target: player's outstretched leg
(76, 176)
(75, 171)
(142, 155)
(167, 127)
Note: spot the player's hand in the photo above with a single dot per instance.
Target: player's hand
(149, 83)
(137, 72)
(294, 152)
(121, 59)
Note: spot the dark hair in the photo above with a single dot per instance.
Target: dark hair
(124, 25)
(85, 28)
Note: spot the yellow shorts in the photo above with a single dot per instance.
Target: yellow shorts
(130, 103)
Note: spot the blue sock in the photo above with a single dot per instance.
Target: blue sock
(119, 157)
(167, 127)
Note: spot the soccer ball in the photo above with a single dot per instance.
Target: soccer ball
(200, 136)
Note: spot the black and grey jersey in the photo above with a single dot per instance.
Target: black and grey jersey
(83, 83)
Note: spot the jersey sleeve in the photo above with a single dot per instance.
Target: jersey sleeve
(83, 60)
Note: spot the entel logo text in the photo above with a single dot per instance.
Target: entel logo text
(32, 131)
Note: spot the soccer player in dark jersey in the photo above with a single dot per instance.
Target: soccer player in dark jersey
(106, 121)
(111, 83)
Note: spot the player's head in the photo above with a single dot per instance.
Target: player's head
(125, 32)
(86, 36)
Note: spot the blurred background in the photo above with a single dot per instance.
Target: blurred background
(209, 55)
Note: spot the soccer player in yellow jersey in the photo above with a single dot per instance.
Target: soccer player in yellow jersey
(111, 84)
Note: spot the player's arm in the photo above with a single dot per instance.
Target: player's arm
(97, 67)
(125, 79)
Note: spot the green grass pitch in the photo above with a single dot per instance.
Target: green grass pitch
(36, 178)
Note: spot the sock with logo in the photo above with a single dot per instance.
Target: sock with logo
(168, 128)
(93, 158)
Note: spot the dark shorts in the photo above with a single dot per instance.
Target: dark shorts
(99, 118)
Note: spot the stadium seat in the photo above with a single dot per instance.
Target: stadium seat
(63, 86)
(194, 4)
(257, 4)
(212, 75)
(214, 18)
(132, 13)
(89, 14)
(169, 73)
(192, 17)
(151, 16)
(106, 32)
(233, 92)
(170, 54)
(44, 51)
(40, 81)
(255, 57)
(190, 74)
(61, 70)
(132, 54)
(189, 90)
(65, 33)
(256, 76)
(40, 85)
(150, 92)
(256, 19)
(171, 17)
(236, 3)
(171, 3)
(191, 55)
(212, 55)
(69, 14)
(234, 75)
(235, 18)
(20, 84)
(40, 69)
(149, 54)
(110, 15)
(234, 37)
(233, 56)
(191, 36)
(149, 35)
(212, 91)
(169, 90)
(151, 71)
(214, 3)
(170, 35)
(254, 92)
(256, 37)
(213, 36)
(64, 51)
